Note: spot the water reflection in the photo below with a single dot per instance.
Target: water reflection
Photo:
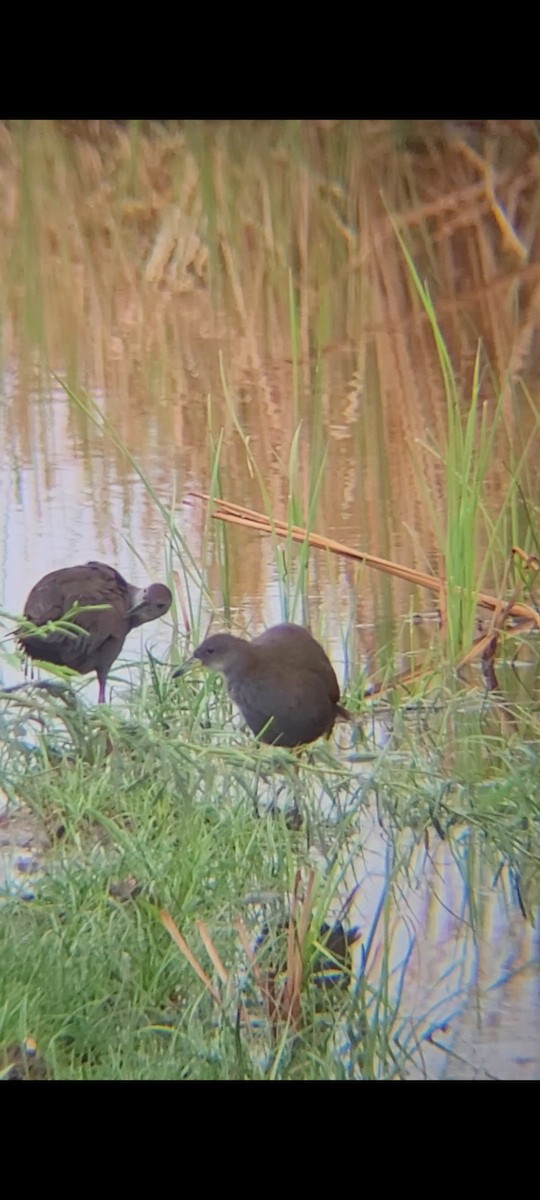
(467, 995)
(243, 286)
(85, 502)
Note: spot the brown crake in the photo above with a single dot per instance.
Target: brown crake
(105, 630)
(283, 683)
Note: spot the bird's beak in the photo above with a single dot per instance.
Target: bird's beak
(189, 663)
(138, 601)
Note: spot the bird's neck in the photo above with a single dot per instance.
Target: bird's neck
(246, 661)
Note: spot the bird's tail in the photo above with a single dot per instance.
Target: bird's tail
(343, 714)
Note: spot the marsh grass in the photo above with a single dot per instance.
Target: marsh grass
(164, 795)
(162, 798)
(466, 455)
(284, 229)
(174, 799)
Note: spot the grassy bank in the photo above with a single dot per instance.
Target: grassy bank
(279, 316)
(169, 806)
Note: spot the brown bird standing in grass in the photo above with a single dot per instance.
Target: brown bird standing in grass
(283, 683)
(103, 631)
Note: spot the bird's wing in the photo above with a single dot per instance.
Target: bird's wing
(297, 702)
(57, 594)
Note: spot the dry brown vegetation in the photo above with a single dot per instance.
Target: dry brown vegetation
(134, 255)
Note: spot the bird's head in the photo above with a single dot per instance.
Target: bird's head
(147, 604)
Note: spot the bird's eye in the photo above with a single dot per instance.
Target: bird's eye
(209, 649)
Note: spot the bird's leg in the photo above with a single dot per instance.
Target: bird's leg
(102, 681)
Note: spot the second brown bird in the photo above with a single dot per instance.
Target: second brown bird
(283, 683)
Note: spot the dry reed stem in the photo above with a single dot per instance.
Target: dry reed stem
(290, 1001)
(530, 560)
(401, 680)
(211, 951)
(181, 600)
(287, 1006)
(236, 514)
(174, 931)
(265, 980)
